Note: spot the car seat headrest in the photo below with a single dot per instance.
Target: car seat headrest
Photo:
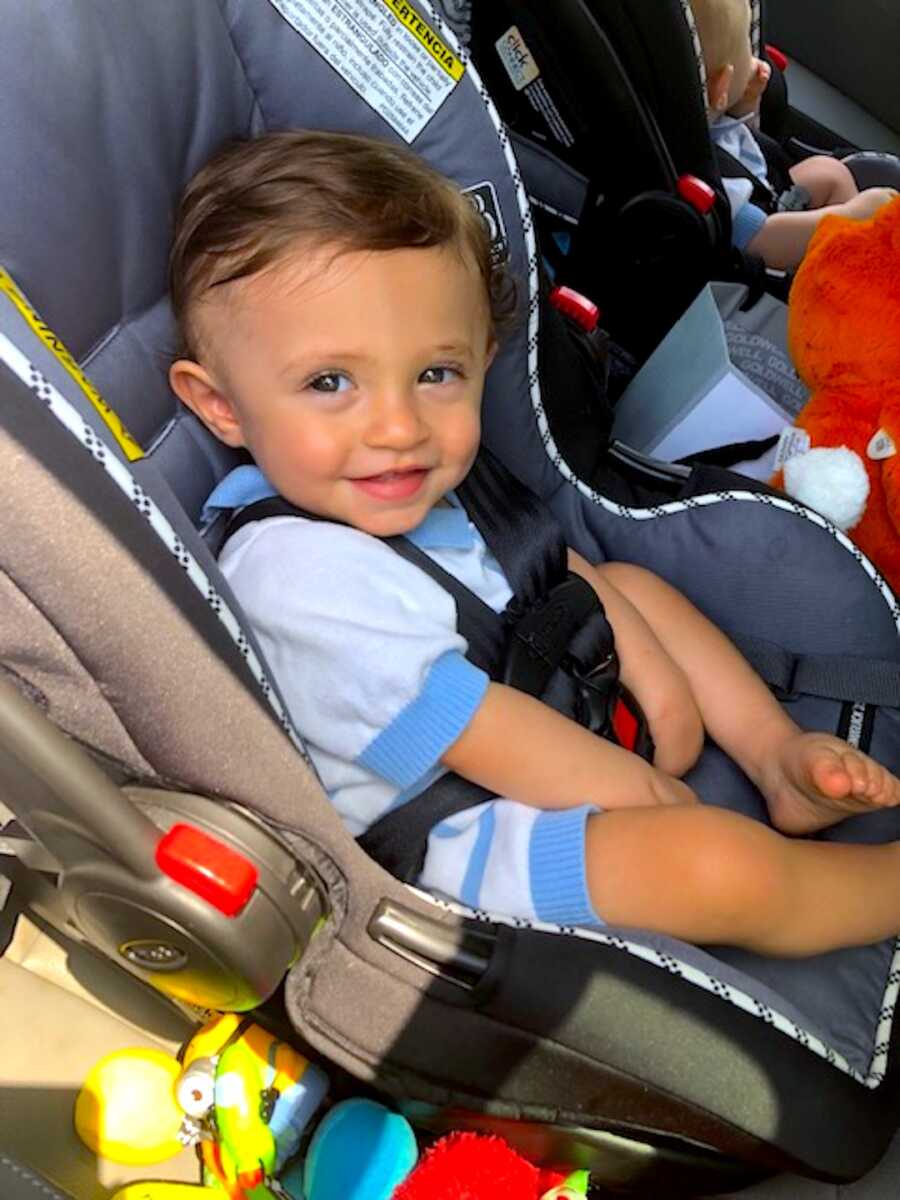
(133, 103)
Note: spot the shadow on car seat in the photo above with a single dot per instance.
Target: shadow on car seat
(147, 751)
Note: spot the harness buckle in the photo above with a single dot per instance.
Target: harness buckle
(597, 693)
(541, 637)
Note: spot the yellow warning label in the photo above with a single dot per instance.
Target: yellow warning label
(426, 36)
(130, 447)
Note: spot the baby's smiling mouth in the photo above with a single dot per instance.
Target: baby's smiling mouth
(392, 485)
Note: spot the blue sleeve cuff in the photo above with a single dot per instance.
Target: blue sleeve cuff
(559, 890)
(417, 737)
(746, 225)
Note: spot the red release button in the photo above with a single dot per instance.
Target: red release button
(572, 304)
(207, 867)
(777, 58)
(697, 193)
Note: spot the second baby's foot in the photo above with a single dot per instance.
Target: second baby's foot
(817, 780)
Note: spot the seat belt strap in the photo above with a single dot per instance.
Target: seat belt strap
(829, 676)
(518, 529)
(398, 841)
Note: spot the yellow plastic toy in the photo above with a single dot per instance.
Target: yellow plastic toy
(259, 1094)
(168, 1191)
(126, 1110)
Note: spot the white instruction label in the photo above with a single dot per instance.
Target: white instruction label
(385, 51)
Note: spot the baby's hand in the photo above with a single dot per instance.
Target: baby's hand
(867, 203)
(759, 81)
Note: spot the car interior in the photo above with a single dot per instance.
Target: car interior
(142, 734)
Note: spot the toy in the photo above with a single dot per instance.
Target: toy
(126, 1110)
(247, 1098)
(361, 1151)
(844, 337)
(471, 1166)
(240, 1095)
(168, 1191)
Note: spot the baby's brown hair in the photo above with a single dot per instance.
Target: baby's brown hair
(253, 201)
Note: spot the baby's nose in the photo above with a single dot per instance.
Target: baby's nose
(397, 421)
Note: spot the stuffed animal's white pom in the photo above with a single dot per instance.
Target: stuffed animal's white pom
(833, 481)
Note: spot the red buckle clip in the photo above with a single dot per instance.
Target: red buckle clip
(699, 195)
(578, 308)
(625, 725)
(207, 867)
(777, 58)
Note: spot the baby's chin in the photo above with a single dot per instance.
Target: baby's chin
(385, 525)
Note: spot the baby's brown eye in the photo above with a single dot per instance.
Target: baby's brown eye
(438, 375)
(330, 381)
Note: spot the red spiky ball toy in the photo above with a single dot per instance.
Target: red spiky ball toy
(471, 1166)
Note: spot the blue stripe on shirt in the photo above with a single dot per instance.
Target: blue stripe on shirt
(417, 737)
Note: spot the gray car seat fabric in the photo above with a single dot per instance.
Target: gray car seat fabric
(139, 99)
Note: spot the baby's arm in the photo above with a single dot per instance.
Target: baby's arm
(784, 238)
(522, 749)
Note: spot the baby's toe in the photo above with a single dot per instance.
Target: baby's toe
(875, 784)
(832, 776)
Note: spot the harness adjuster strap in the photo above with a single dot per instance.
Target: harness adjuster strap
(540, 638)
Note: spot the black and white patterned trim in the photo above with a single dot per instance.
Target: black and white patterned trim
(119, 473)
(756, 26)
(708, 983)
(695, 38)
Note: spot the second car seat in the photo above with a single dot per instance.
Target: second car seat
(606, 105)
(154, 773)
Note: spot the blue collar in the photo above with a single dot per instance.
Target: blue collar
(244, 485)
(447, 527)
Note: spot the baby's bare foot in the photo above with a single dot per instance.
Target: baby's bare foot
(818, 780)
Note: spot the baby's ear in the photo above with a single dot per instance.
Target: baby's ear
(718, 88)
(197, 390)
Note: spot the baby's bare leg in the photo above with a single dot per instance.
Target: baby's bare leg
(709, 876)
(658, 683)
(809, 780)
(827, 180)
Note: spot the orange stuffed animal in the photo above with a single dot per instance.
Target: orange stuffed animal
(844, 337)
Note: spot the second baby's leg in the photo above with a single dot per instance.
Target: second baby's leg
(827, 180)
(709, 876)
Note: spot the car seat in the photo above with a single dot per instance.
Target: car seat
(149, 764)
(594, 121)
(606, 106)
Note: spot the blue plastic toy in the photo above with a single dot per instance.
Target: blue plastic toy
(361, 1151)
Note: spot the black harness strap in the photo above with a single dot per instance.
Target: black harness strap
(526, 539)
(831, 676)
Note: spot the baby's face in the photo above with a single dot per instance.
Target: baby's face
(355, 381)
